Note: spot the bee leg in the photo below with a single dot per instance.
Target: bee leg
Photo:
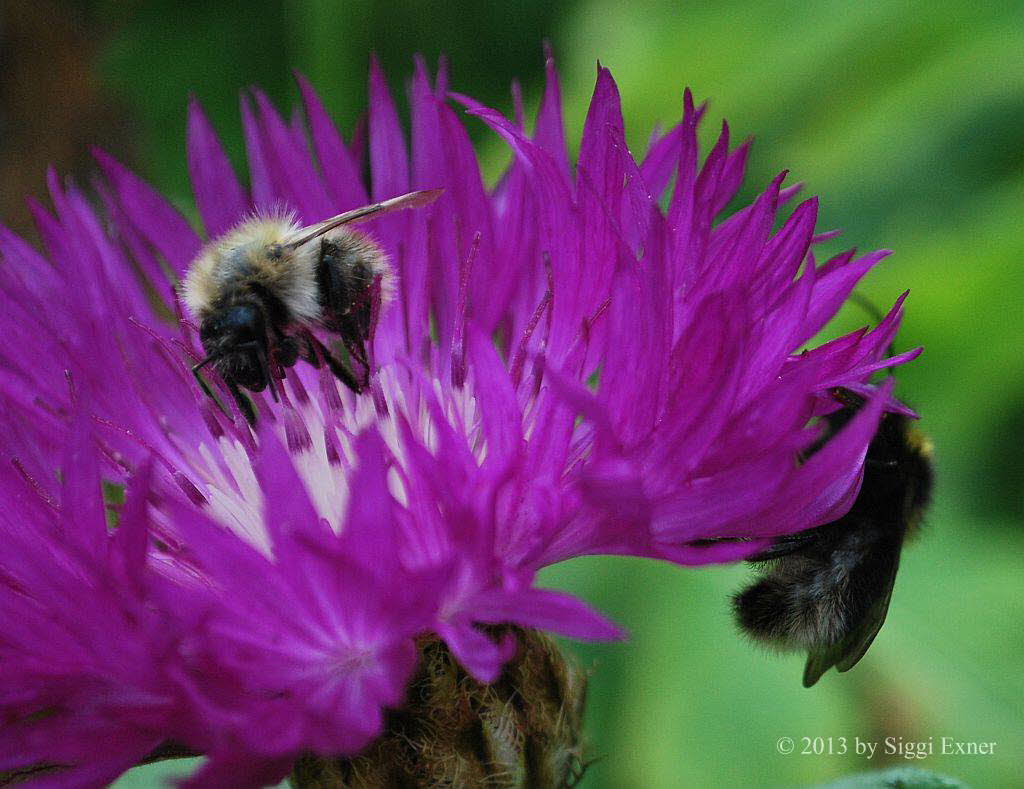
(355, 346)
(202, 384)
(308, 351)
(286, 352)
(341, 372)
(355, 341)
(244, 403)
(209, 392)
(345, 277)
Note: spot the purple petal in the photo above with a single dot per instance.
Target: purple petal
(549, 133)
(369, 535)
(548, 610)
(219, 196)
(389, 163)
(340, 169)
(293, 171)
(288, 510)
(834, 287)
(155, 219)
(265, 193)
(478, 654)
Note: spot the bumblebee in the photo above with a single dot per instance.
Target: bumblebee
(827, 589)
(262, 290)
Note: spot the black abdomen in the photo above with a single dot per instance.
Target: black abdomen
(345, 274)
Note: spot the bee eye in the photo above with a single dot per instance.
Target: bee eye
(274, 252)
(243, 320)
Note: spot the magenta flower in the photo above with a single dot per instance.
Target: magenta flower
(566, 369)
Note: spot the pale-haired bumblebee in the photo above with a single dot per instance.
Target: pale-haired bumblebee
(261, 290)
(827, 589)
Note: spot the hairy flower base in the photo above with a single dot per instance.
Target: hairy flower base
(524, 730)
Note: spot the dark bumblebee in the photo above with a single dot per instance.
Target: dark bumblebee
(827, 589)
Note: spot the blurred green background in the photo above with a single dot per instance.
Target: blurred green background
(906, 117)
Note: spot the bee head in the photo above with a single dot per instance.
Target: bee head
(235, 339)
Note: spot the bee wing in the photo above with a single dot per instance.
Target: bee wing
(411, 200)
(847, 652)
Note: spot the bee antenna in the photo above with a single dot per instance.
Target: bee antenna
(867, 305)
(200, 365)
(261, 353)
(871, 309)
